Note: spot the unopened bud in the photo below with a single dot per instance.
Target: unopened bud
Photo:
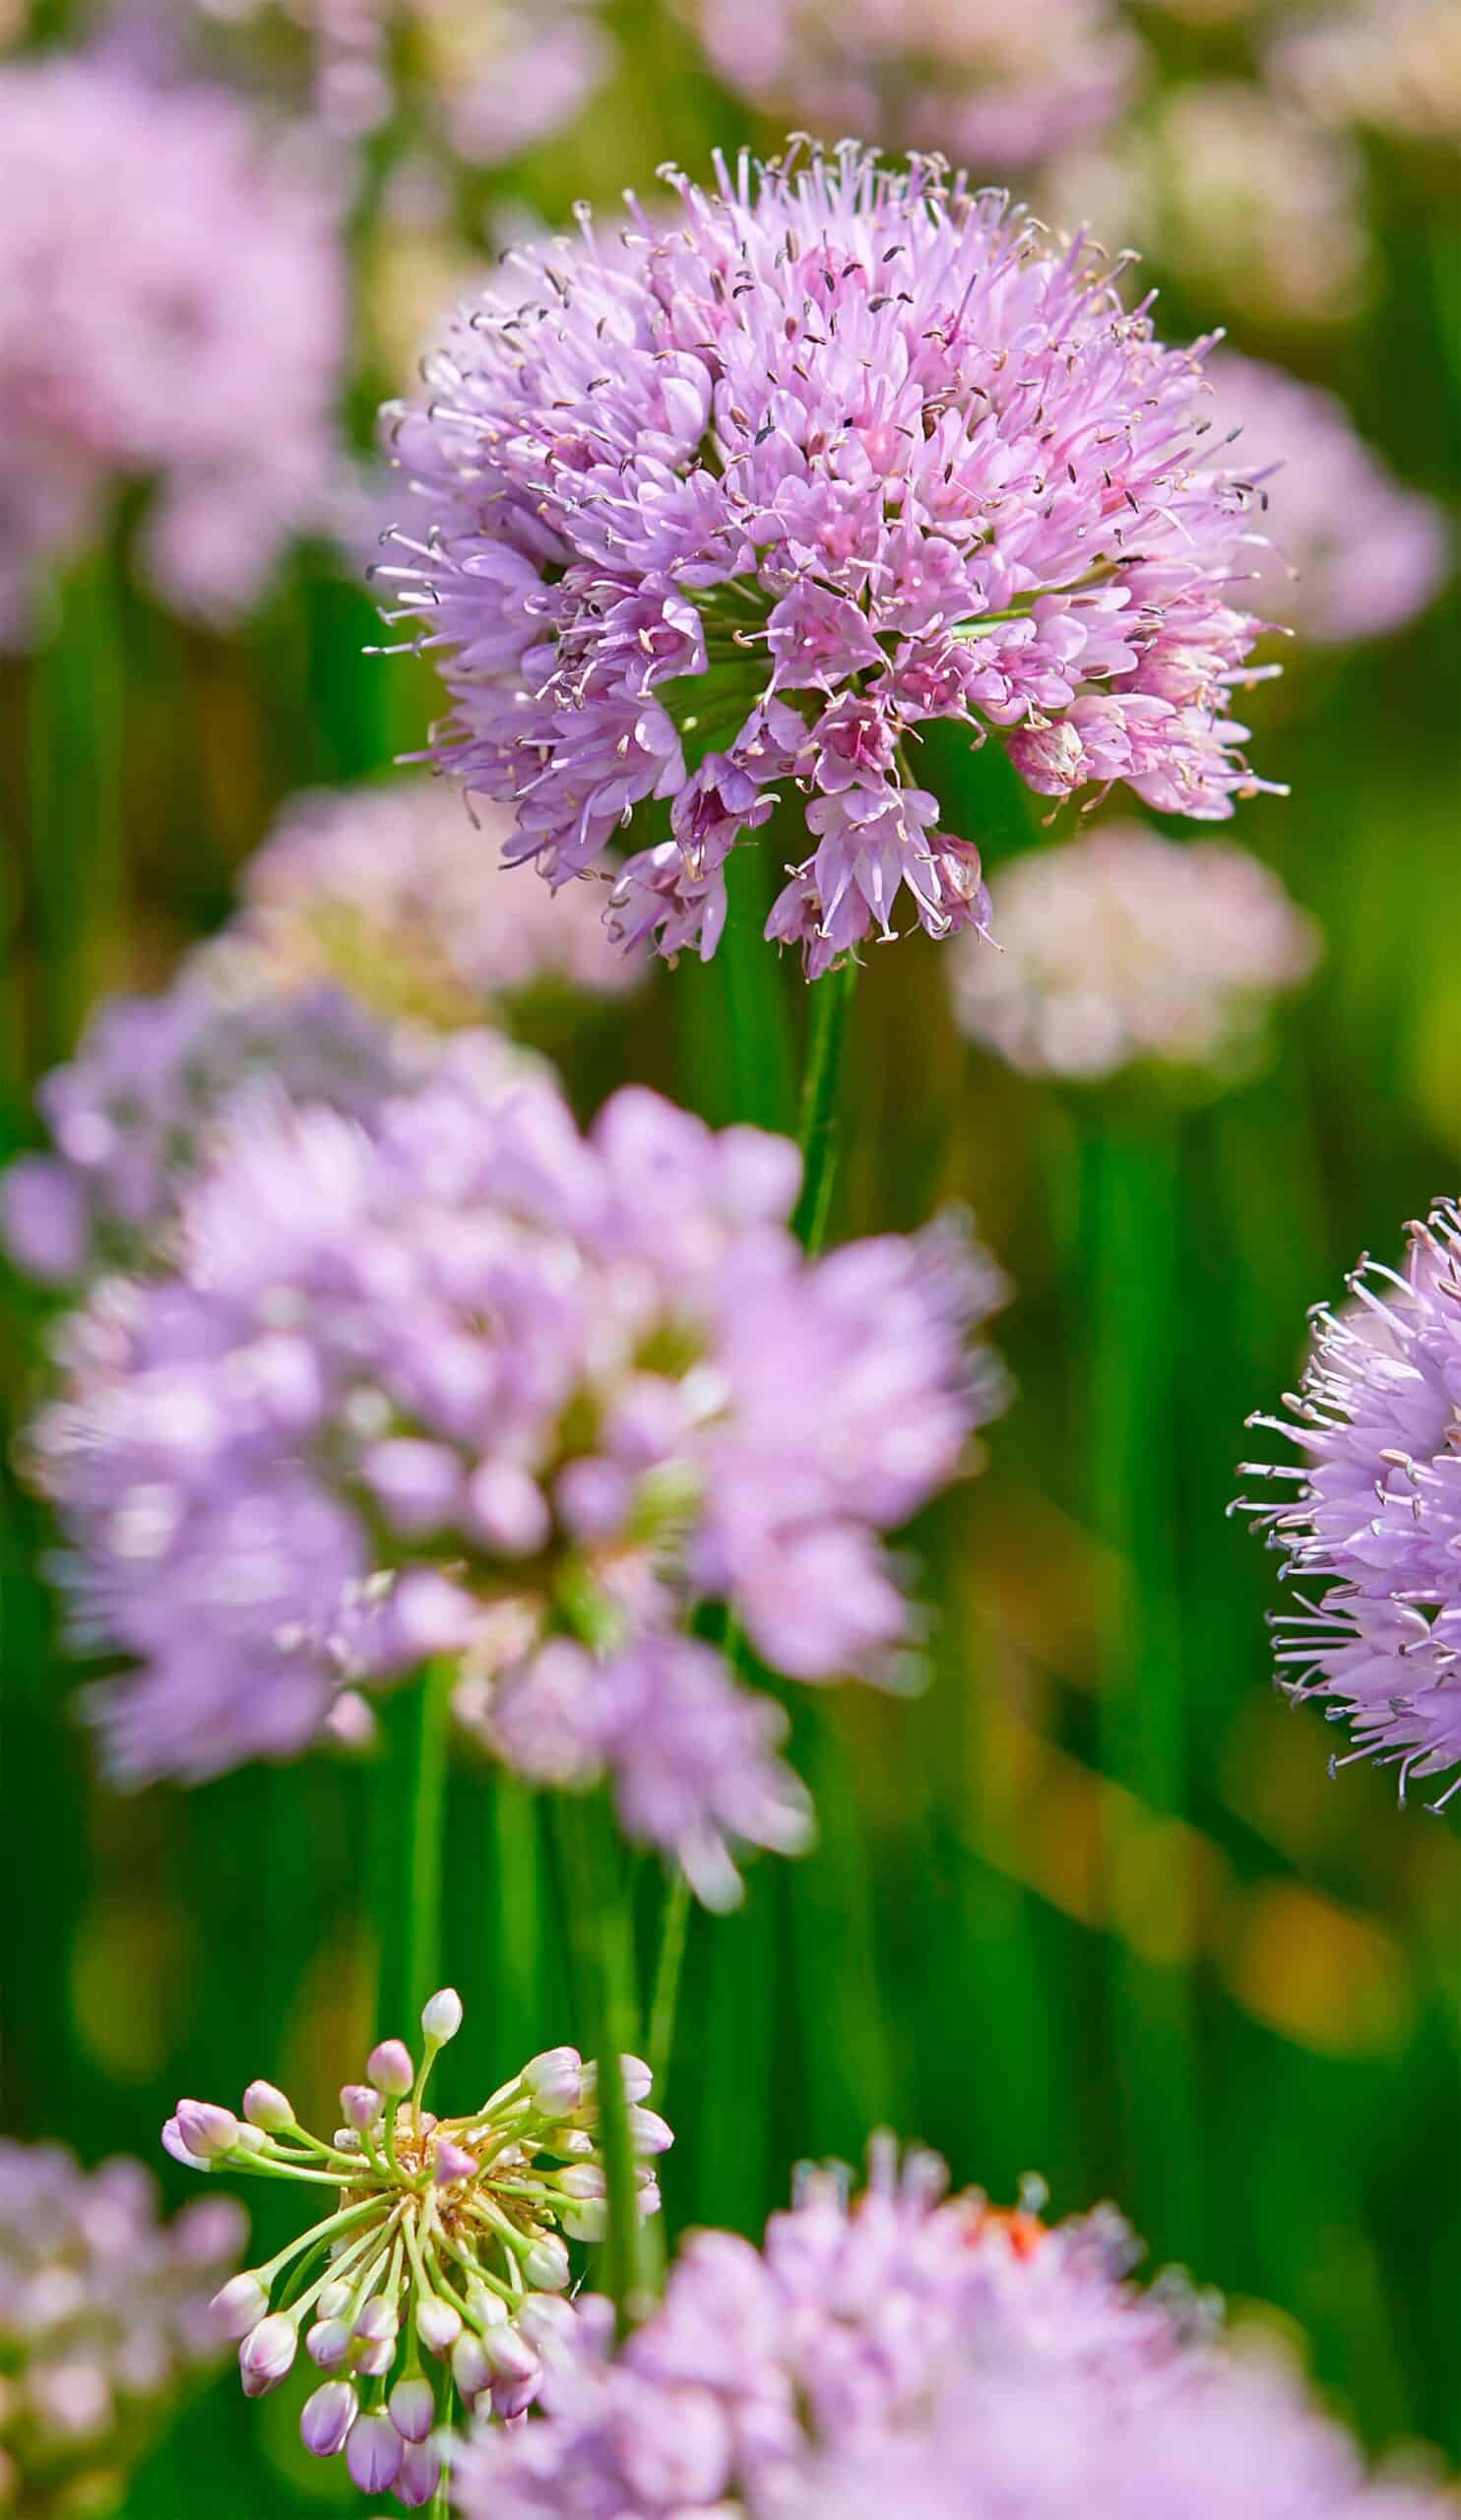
(267, 2354)
(438, 2325)
(412, 2405)
(328, 2343)
(378, 2322)
(419, 2474)
(208, 2132)
(648, 2132)
(374, 2360)
(469, 2366)
(374, 2453)
(545, 2266)
(441, 2016)
(390, 2065)
(173, 2145)
(451, 2162)
(240, 2306)
(554, 2081)
(264, 2105)
(360, 2106)
(326, 2417)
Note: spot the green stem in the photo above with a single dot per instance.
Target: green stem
(819, 1132)
(598, 1887)
(665, 1998)
(78, 723)
(408, 1870)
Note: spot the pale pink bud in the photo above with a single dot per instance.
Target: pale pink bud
(208, 2132)
(554, 2081)
(412, 2409)
(378, 2322)
(469, 2367)
(517, 2371)
(361, 2107)
(375, 2359)
(548, 2322)
(264, 2105)
(328, 2343)
(335, 2301)
(508, 1508)
(582, 2179)
(374, 2453)
(438, 2325)
(390, 2066)
(326, 2417)
(452, 2162)
(545, 2266)
(419, 2474)
(240, 2306)
(266, 2354)
(649, 2131)
(587, 2219)
(441, 2016)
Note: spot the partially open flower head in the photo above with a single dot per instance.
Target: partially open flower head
(440, 2269)
(727, 509)
(475, 1384)
(1372, 1534)
(1125, 951)
(103, 2323)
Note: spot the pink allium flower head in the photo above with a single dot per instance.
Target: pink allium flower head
(446, 2234)
(994, 85)
(172, 313)
(1122, 947)
(730, 508)
(1391, 66)
(1347, 552)
(911, 2353)
(278, 1466)
(397, 892)
(1371, 1536)
(103, 2310)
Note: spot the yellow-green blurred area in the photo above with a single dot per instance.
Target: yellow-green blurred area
(1226, 1993)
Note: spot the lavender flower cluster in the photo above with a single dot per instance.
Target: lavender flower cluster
(742, 502)
(1372, 1538)
(922, 2354)
(472, 1383)
(445, 2240)
(103, 2323)
(172, 315)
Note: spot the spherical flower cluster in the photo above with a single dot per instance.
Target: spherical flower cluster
(997, 87)
(1347, 553)
(929, 2357)
(1257, 207)
(475, 1384)
(103, 2323)
(132, 1115)
(1391, 66)
(397, 892)
(171, 314)
(1372, 1538)
(1124, 947)
(734, 507)
(442, 2270)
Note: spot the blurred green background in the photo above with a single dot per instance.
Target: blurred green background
(1160, 1957)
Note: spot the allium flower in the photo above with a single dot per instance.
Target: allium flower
(1252, 202)
(132, 1115)
(1124, 947)
(1348, 552)
(473, 1384)
(1392, 66)
(171, 314)
(103, 2323)
(396, 891)
(1373, 1535)
(445, 2268)
(733, 507)
(997, 87)
(927, 2357)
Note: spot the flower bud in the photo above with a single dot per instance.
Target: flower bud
(507, 1508)
(582, 2179)
(264, 2105)
(412, 2405)
(441, 2016)
(469, 2366)
(208, 2132)
(378, 2322)
(335, 2301)
(374, 2360)
(584, 2219)
(549, 2323)
(328, 2343)
(451, 2162)
(240, 2306)
(390, 2065)
(419, 2474)
(545, 2266)
(438, 2325)
(360, 2106)
(374, 2453)
(326, 2417)
(267, 2353)
(517, 2371)
(648, 2130)
(554, 2081)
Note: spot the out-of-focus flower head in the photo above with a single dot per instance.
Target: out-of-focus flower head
(397, 892)
(103, 2323)
(1252, 203)
(728, 509)
(172, 315)
(930, 2357)
(1347, 553)
(998, 87)
(1371, 1535)
(1124, 948)
(446, 2238)
(1391, 66)
(488, 78)
(472, 1383)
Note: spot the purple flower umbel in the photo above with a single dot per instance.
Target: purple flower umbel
(1372, 1536)
(732, 507)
